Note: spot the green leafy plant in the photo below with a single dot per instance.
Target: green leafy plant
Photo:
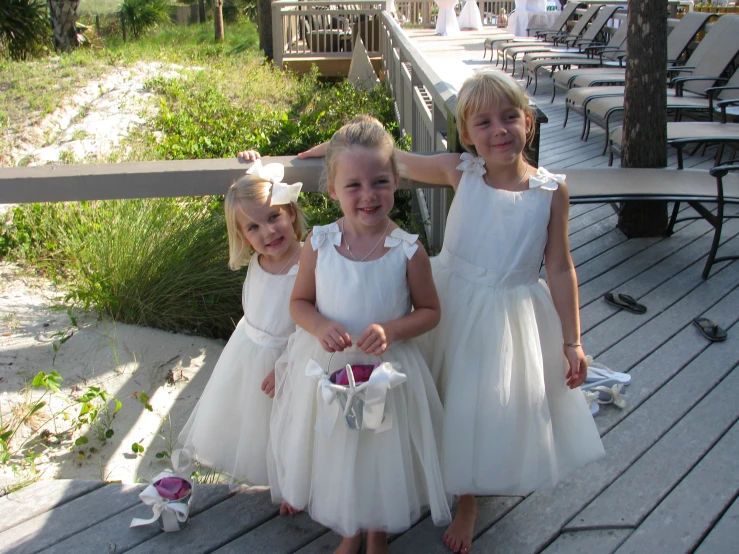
(24, 27)
(141, 15)
(95, 410)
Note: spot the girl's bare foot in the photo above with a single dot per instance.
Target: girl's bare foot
(458, 536)
(376, 542)
(350, 545)
(287, 510)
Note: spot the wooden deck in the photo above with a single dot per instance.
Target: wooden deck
(668, 484)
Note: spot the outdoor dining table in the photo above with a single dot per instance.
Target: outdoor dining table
(446, 21)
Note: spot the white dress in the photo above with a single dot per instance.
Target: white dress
(353, 480)
(469, 17)
(229, 427)
(511, 424)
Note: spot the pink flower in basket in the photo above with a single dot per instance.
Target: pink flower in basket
(362, 373)
(172, 488)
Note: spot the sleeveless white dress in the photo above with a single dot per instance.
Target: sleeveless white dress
(369, 479)
(511, 424)
(229, 427)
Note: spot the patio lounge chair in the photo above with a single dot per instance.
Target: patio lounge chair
(593, 55)
(682, 133)
(703, 69)
(601, 110)
(586, 28)
(678, 42)
(696, 187)
(559, 25)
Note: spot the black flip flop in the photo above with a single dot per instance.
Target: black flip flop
(710, 329)
(625, 301)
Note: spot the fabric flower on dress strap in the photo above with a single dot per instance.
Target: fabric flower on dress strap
(323, 232)
(405, 240)
(546, 180)
(282, 193)
(475, 164)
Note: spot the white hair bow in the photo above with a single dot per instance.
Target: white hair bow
(282, 193)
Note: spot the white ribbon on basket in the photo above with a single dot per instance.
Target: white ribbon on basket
(282, 193)
(172, 512)
(373, 392)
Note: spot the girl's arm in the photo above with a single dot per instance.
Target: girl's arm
(435, 169)
(562, 281)
(332, 335)
(424, 317)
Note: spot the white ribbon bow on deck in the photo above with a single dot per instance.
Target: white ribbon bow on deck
(282, 193)
(546, 180)
(373, 392)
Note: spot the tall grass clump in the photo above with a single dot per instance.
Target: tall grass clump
(141, 15)
(155, 262)
(24, 28)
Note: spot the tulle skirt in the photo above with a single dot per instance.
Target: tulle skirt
(352, 480)
(229, 428)
(511, 424)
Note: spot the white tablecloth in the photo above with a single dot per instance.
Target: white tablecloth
(521, 20)
(469, 17)
(446, 22)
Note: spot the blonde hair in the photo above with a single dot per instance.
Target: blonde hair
(251, 188)
(486, 88)
(365, 131)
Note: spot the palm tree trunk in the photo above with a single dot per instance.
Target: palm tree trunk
(645, 110)
(63, 15)
(218, 18)
(264, 23)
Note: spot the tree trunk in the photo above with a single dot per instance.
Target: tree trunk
(645, 110)
(201, 11)
(264, 22)
(63, 15)
(218, 18)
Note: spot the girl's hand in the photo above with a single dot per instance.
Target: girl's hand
(248, 155)
(375, 339)
(334, 337)
(268, 385)
(318, 151)
(578, 366)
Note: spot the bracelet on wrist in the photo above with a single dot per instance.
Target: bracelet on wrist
(573, 344)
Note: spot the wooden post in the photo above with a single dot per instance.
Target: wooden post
(97, 24)
(123, 27)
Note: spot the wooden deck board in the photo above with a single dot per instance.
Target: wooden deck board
(633, 496)
(682, 519)
(115, 535)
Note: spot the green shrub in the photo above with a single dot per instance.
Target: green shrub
(24, 28)
(155, 262)
(141, 15)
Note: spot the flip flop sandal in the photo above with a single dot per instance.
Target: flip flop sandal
(710, 329)
(591, 397)
(610, 395)
(625, 302)
(599, 372)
